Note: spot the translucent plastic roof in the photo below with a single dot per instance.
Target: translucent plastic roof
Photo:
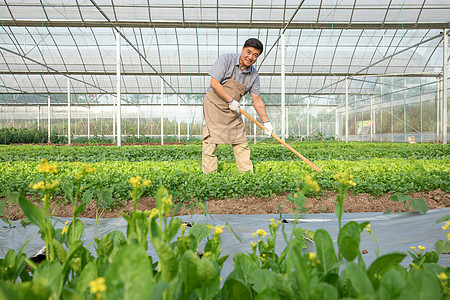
(45, 42)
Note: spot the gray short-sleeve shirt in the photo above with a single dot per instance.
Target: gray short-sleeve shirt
(223, 69)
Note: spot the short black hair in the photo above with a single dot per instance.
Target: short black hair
(255, 43)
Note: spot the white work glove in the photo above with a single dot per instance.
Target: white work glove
(269, 127)
(234, 106)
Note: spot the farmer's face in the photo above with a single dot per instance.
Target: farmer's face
(249, 55)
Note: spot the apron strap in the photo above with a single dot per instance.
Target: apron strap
(246, 78)
(232, 74)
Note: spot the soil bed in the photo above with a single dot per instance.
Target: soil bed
(251, 205)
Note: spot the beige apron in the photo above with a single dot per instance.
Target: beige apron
(221, 125)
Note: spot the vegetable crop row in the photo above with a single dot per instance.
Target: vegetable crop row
(260, 152)
(186, 180)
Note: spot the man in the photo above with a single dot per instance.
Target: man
(232, 76)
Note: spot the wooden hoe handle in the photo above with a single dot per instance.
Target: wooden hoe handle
(282, 142)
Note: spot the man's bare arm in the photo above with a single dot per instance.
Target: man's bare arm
(220, 91)
(260, 108)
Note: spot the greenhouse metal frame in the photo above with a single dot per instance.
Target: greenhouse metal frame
(353, 70)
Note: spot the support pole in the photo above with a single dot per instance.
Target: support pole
(372, 125)
(381, 111)
(39, 117)
(405, 139)
(138, 121)
(444, 89)
(162, 112)
(308, 125)
(179, 120)
(89, 123)
(336, 124)
(438, 106)
(392, 110)
(119, 127)
(421, 111)
(68, 111)
(346, 109)
(48, 117)
(283, 87)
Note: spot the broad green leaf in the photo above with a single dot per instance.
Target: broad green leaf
(25, 222)
(105, 198)
(34, 214)
(137, 228)
(200, 231)
(71, 294)
(87, 197)
(324, 291)
(25, 290)
(50, 272)
(348, 240)
(325, 249)
(434, 268)
(268, 294)
(168, 261)
(202, 207)
(419, 205)
(243, 266)
(394, 281)
(12, 197)
(79, 209)
(383, 264)
(61, 253)
(235, 289)
(172, 229)
(359, 279)
(261, 279)
(442, 247)
(189, 271)
(158, 290)
(75, 231)
(88, 274)
(399, 197)
(129, 275)
(421, 285)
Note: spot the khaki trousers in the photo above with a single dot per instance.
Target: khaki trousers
(241, 155)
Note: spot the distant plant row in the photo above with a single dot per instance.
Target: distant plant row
(186, 180)
(263, 151)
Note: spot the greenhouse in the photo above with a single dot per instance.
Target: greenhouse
(109, 187)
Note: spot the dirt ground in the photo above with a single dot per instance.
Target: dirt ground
(251, 205)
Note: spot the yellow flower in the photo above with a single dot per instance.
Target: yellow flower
(413, 248)
(260, 232)
(313, 185)
(312, 256)
(218, 230)
(64, 230)
(183, 226)
(153, 213)
(368, 228)
(442, 276)
(146, 182)
(97, 285)
(421, 248)
(45, 167)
